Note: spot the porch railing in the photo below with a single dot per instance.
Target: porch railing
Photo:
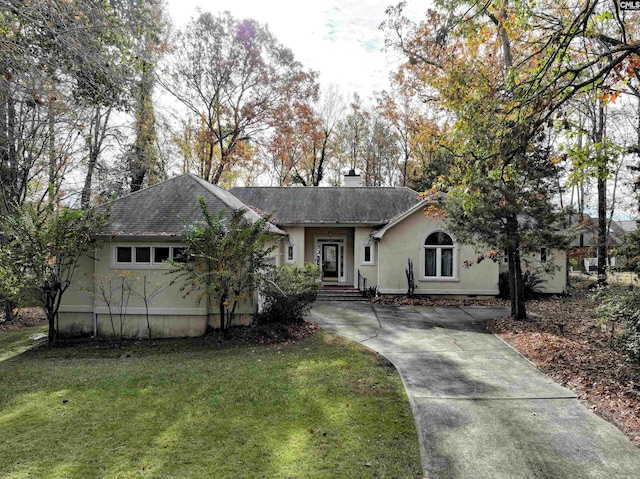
(362, 281)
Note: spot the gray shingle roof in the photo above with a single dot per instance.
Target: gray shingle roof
(329, 205)
(161, 210)
(629, 226)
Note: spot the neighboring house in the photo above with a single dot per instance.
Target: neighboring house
(589, 232)
(584, 246)
(628, 226)
(358, 235)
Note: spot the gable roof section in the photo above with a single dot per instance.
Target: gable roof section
(399, 218)
(161, 210)
(629, 226)
(329, 205)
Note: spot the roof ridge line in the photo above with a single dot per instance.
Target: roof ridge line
(132, 193)
(207, 184)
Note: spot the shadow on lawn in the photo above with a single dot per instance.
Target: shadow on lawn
(181, 408)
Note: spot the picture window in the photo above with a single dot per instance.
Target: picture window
(145, 256)
(439, 257)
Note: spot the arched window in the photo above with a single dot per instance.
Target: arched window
(438, 256)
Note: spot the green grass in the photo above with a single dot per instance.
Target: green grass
(318, 408)
(13, 343)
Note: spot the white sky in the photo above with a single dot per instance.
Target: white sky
(339, 39)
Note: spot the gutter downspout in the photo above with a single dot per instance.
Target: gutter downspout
(95, 293)
(379, 244)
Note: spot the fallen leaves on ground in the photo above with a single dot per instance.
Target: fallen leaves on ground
(27, 317)
(440, 301)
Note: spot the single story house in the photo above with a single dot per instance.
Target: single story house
(358, 235)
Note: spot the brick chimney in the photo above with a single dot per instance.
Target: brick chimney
(352, 179)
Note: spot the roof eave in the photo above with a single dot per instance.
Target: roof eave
(173, 237)
(316, 224)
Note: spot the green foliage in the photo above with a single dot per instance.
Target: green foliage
(42, 251)
(227, 258)
(502, 71)
(289, 292)
(630, 249)
(531, 285)
(616, 305)
(437, 167)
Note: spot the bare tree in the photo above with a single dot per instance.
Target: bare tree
(231, 76)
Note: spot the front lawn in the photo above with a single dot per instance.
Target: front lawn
(317, 408)
(14, 342)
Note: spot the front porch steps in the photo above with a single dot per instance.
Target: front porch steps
(340, 293)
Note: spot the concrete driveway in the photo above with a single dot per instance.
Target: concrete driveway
(482, 410)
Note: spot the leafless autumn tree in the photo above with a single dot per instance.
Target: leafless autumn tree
(232, 77)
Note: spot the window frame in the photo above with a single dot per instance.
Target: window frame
(293, 247)
(363, 247)
(544, 255)
(134, 263)
(455, 253)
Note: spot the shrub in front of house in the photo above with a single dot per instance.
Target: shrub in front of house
(288, 292)
(531, 287)
(621, 306)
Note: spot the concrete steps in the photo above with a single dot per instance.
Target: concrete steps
(340, 293)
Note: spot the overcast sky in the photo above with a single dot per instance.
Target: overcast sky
(340, 39)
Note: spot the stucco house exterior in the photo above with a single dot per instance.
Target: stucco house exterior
(358, 235)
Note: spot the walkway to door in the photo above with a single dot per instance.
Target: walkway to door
(482, 410)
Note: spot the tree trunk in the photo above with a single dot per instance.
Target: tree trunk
(53, 331)
(602, 228)
(96, 141)
(52, 315)
(52, 154)
(222, 308)
(516, 284)
(85, 197)
(9, 307)
(4, 145)
(602, 201)
(144, 156)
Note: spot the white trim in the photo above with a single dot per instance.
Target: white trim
(445, 292)
(74, 308)
(456, 255)
(113, 264)
(138, 311)
(439, 279)
(341, 251)
(154, 311)
(294, 252)
(378, 249)
(367, 244)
